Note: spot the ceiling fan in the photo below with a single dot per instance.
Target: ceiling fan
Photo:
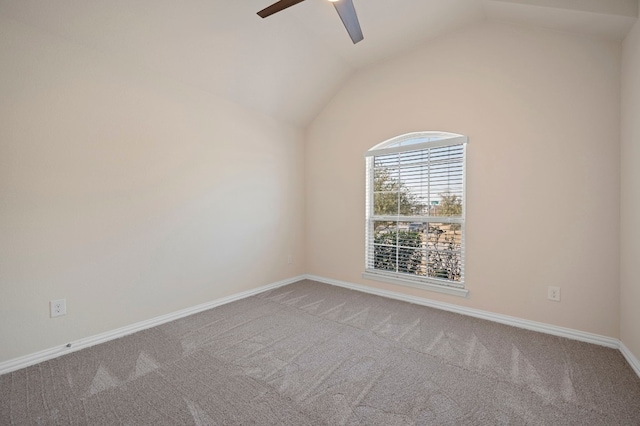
(344, 8)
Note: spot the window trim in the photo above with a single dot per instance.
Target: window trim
(394, 145)
(423, 285)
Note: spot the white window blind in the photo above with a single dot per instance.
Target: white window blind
(415, 208)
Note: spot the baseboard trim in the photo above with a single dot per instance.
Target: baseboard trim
(633, 361)
(47, 354)
(490, 316)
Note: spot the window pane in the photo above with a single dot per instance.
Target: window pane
(385, 249)
(400, 247)
(434, 179)
(391, 195)
(446, 179)
(444, 244)
(385, 203)
(411, 248)
(414, 177)
(449, 204)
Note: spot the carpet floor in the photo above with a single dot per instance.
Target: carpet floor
(314, 354)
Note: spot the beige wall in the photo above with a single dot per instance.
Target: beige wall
(133, 195)
(130, 195)
(630, 195)
(541, 110)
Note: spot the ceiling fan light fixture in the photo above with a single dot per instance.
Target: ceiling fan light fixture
(345, 9)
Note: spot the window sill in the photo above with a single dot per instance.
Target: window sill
(461, 292)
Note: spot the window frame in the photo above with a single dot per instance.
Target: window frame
(407, 143)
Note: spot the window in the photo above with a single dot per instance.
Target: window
(415, 211)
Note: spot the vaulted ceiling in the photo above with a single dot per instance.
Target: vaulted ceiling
(290, 64)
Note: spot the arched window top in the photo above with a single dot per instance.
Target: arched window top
(415, 141)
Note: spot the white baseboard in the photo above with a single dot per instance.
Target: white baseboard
(555, 330)
(490, 316)
(631, 358)
(47, 354)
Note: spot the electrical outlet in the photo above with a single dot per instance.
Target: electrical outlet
(553, 294)
(290, 259)
(58, 307)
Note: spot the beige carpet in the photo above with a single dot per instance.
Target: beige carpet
(313, 354)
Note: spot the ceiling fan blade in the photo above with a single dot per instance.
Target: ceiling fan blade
(277, 7)
(347, 13)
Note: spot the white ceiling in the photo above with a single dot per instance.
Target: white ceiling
(290, 64)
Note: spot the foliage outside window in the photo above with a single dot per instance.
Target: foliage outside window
(415, 208)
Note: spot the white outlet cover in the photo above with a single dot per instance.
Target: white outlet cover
(58, 307)
(553, 293)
